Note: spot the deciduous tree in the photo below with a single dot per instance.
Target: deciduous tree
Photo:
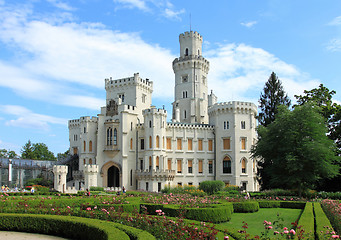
(297, 148)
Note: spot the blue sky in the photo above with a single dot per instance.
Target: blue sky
(55, 54)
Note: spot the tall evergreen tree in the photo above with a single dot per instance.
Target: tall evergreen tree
(272, 97)
(27, 151)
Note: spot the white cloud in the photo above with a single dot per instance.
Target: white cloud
(239, 72)
(28, 119)
(335, 22)
(248, 24)
(334, 45)
(172, 14)
(60, 4)
(139, 4)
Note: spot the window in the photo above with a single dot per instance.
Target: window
(150, 163)
(243, 143)
(115, 137)
(190, 144)
(210, 145)
(226, 124)
(84, 129)
(131, 126)
(157, 143)
(142, 144)
(141, 164)
(254, 165)
(184, 78)
(169, 143)
(150, 142)
(84, 146)
(150, 124)
(169, 163)
(90, 146)
(243, 165)
(179, 144)
(190, 166)
(190, 184)
(227, 165)
(75, 151)
(186, 52)
(200, 145)
(90, 161)
(226, 143)
(131, 144)
(210, 166)
(147, 186)
(200, 163)
(122, 97)
(84, 161)
(109, 136)
(157, 165)
(185, 114)
(143, 98)
(179, 166)
(163, 142)
(242, 124)
(179, 184)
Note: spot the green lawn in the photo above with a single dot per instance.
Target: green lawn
(255, 220)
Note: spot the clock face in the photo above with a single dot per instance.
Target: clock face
(184, 78)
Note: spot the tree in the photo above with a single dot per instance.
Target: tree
(36, 151)
(4, 153)
(297, 149)
(62, 156)
(322, 97)
(269, 101)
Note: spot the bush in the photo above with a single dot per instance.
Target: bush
(245, 207)
(269, 204)
(307, 221)
(321, 222)
(332, 209)
(70, 227)
(294, 204)
(100, 189)
(211, 187)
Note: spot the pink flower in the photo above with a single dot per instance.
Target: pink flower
(292, 231)
(286, 232)
(335, 236)
(276, 232)
(89, 208)
(68, 207)
(226, 238)
(285, 228)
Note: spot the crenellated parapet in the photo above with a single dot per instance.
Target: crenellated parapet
(191, 61)
(232, 107)
(75, 123)
(60, 169)
(154, 111)
(88, 119)
(190, 35)
(136, 80)
(90, 169)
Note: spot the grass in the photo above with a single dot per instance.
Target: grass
(255, 220)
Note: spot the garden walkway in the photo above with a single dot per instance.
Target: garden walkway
(26, 236)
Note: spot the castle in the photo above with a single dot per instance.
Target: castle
(131, 144)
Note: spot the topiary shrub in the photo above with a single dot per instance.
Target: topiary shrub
(100, 189)
(245, 207)
(211, 187)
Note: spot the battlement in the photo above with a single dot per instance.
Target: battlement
(198, 58)
(190, 126)
(61, 169)
(90, 168)
(153, 110)
(135, 80)
(246, 107)
(89, 119)
(190, 34)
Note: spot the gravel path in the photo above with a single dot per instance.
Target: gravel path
(4, 235)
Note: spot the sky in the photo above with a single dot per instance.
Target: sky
(55, 54)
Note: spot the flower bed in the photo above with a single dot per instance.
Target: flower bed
(332, 209)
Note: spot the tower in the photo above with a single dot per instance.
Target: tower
(190, 69)
(60, 172)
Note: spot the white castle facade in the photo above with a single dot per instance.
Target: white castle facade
(131, 144)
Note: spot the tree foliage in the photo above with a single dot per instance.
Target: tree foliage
(36, 151)
(4, 153)
(272, 97)
(296, 148)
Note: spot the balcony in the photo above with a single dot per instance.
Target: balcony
(157, 175)
(111, 150)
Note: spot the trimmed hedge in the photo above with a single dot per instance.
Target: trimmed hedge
(128, 207)
(216, 214)
(321, 221)
(294, 204)
(269, 204)
(307, 221)
(211, 187)
(245, 207)
(71, 227)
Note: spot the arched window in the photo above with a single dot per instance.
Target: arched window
(227, 165)
(157, 163)
(199, 52)
(115, 136)
(157, 142)
(243, 165)
(131, 144)
(84, 161)
(186, 52)
(150, 124)
(90, 161)
(150, 142)
(109, 136)
(90, 146)
(84, 147)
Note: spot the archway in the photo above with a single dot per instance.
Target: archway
(113, 177)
